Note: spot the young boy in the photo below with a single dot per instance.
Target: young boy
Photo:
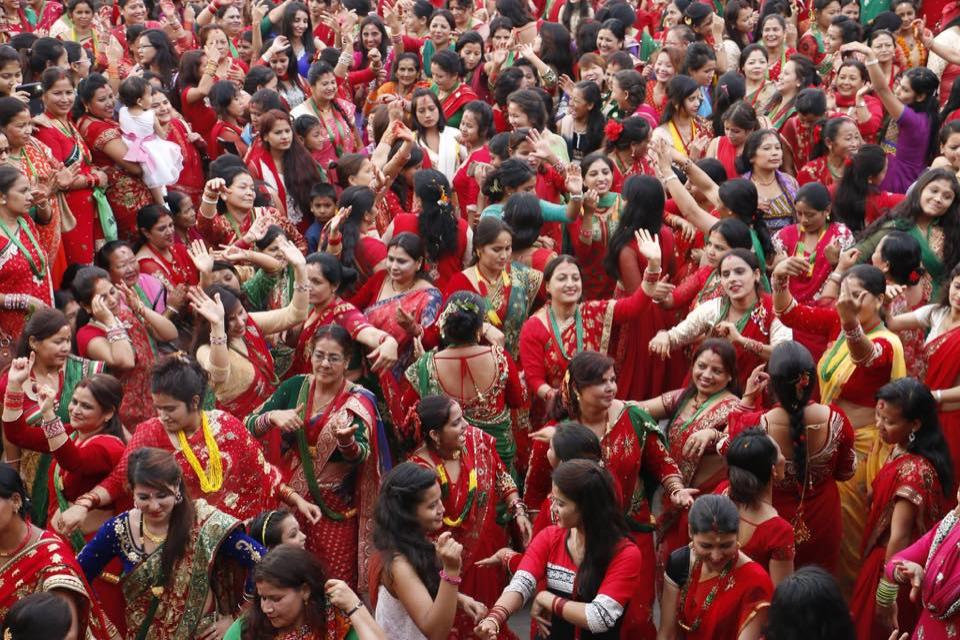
(323, 205)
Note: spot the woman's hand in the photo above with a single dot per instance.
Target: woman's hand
(64, 177)
(134, 303)
(287, 420)
(291, 253)
(115, 52)
(384, 356)
(660, 345)
(648, 245)
(230, 252)
(486, 630)
(345, 433)
(848, 259)
(310, 511)
(858, 47)
(340, 595)
(887, 616)
(684, 228)
(476, 610)
(176, 297)
(590, 200)
(499, 559)
(449, 552)
(683, 498)
(544, 435)
(210, 309)
(541, 148)
(19, 371)
(68, 521)
(493, 335)
(214, 188)
(333, 230)
(792, 267)
(212, 53)
(849, 306)
(729, 331)
(526, 529)
(698, 443)
(912, 573)
(756, 383)
(217, 630)
(407, 322)
(101, 313)
(541, 612)
(574, 182)
(662, 290)
(46, 399)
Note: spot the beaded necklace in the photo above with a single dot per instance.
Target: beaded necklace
(724, 577)
(211, 479)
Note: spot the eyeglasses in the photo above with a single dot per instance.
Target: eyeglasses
(331, 358)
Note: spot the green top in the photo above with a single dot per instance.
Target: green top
(235, 632)
(552, 212)
(258, 289)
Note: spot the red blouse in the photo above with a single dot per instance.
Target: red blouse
(446, 266)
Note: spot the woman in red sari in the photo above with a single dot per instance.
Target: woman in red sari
(126, 192)
(159, 254)
(325, 434)
(25, 282)
(473, 483)
(839, 141)
(231, 343)
(908, 498)
(221, 461)
(173, 129)
(697, 417)
(565, 326)
(635, 453)
(817, 442)
(810, 238)
(79, 208)
(942, 353)
(713, 590)
(123, 336)
(228, 215)
(40, 560)
(325, 277)
(582, 575)
(744, 315)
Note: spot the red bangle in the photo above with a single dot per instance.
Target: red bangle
(498, 613)
(333, 243)
(455, 581)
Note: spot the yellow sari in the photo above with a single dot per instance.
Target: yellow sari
(834, 370)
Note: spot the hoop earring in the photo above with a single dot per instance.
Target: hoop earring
(913, 436)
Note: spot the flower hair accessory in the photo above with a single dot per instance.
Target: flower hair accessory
(803, 380)
(443, 200)
(452, 307)
(914, 276)
(613, 130)
(412, 422)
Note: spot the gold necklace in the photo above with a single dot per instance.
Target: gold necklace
(764, 184)
(152, 537)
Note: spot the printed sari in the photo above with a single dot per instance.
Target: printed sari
(471, 516)
(224, 229)
(49, 565)
(590, 246)
(943, 370)
(344, 489)
(712, 414)
(937, 553)
(510, 299)
(24, 268)
(904, 477)
(264, 376)
(337, 311)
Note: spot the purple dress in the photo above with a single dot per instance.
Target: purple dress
(910, 160)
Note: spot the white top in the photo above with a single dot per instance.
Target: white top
(394, 619)
(950, 39)
(707, 315)
(934, 317)
(447, 159)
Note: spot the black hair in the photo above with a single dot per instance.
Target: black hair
(418, 128)
(634, 85)
(449, 61)
(793, 373)
(433, 411)
(286, 28)
(740, 197)
(108, 393)
(850, 31)
(43, 323)
(751, 456)
(484, 116)
(815, 195)
(525, 218)
(300, 170)
(730, 90)
(586, 369)
(182, 378)
(586, 35)
(361, 201)
(333, 271)
(714, 513)
(511, 173)
(636, 129)
(572, 440)
(257, 78)
(335, 333)
(679, 89)
(595, 493)
(748, 50)
(384, 47)
(731, 14)
(619, 59)
(531, 103)
(158, 469)
(808, 605)
(399, 186)
(221, 95)
(850, 197)
(555, 48)
(811, 101)
(461, 325)
(915, 402)
(698, 54)
(734, 232)
(132, 90)
(12, 484)
(593, 139)
(741, 114)
(951, 105)
(437, 222)
(500, 145)
(45, 52)
(643, 200)
(267, 99)
(165, 61)
(506, 85)
(924, 81)
(902, 252)
(396, 530)
(41, 614)
(829, 131)
(516, 11)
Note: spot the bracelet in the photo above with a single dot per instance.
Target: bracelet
(870, 63)
(669, 177)
(15, 301)
(861, 105)
(937, 395)
(53, 427)
(286, 493)
(91, 497)
(204, 200)
(304, 287)
(495, 623)
(780, 284)
(753, 346)
(261, 424)
(349, 446)
(854, 334)
(446, 577)
(672, 485)
(345, 60)
(887, 592)
(117, 334)
(651, 276)
(556, 607)
(334, 242)
(13, 400)
(356, 608)
(835, 277)
(218, 341)
(499, 614)
(519, 508)
(576, 197)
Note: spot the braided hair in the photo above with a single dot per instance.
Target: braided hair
(792, 375)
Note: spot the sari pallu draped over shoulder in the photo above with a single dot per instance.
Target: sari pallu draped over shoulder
(47, 565)
(177, 610)
(264, 376)
(346, 494)
(943, 369)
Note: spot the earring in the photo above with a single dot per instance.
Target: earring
(913, 436)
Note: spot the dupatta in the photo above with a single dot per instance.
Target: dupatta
(836, 366)
(177, 610)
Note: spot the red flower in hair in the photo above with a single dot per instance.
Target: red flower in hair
(914, 277)
(613, 130)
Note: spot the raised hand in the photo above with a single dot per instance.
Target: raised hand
(574, 182)
(210, 309)
(340, 594)
(201, 256)
(291, 253)
(100, 311)
(384, 356)
(449, 552)
(757, 382)
(648, 245)
(848, 259)
(849, 304)
(792, 267)
(46, 398)
(406, 320)
(20, 370)
(660, 345)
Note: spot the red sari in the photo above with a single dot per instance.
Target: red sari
(37, 163)
(943, 369)
(713, 414)
(250, 486)
(905, 477)
(591, 248)
(50, 565)
(264, 380)
(223, 229)
(179, 270)
(478, 530)
(446, 266)
(741, 595)
(127, 194)
(77, 206)
(21, 273)
(225, 131)
(192, 177)
(337, 311)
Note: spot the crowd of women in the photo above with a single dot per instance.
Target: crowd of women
(340, 318)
